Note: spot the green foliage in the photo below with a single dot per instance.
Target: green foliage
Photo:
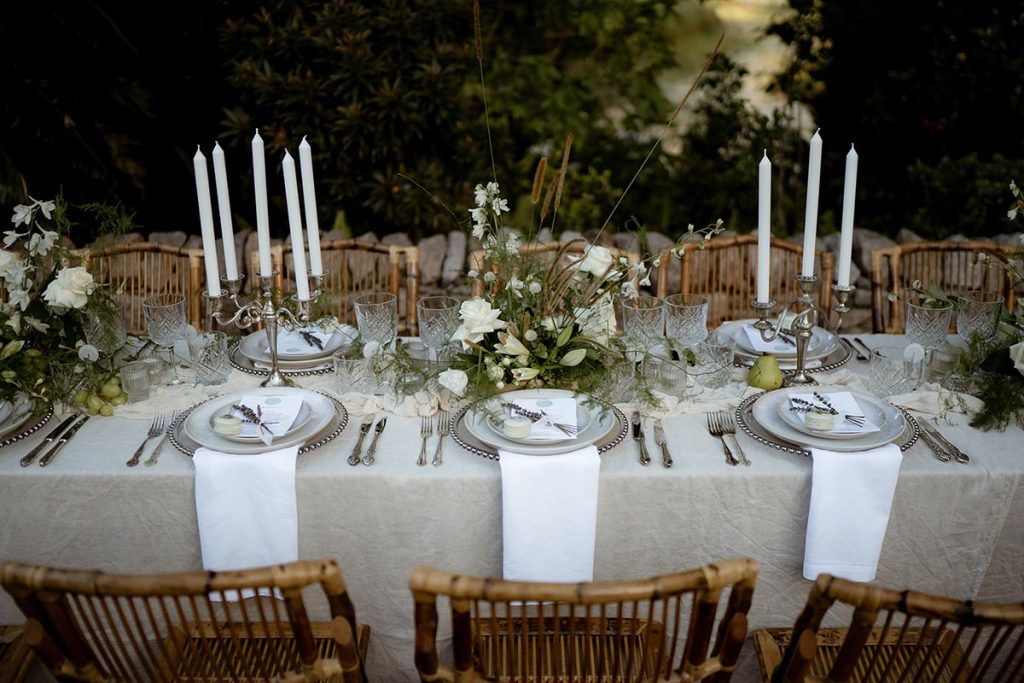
(999, 383)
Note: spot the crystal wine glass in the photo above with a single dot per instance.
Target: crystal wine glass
(978, 312)
(166, 323)
(377, 317)
(686, 318)
(106, 331)
(438, 318)
(927, 325)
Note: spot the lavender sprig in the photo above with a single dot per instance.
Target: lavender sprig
(826, 403)
(253, 416)
(312, 339)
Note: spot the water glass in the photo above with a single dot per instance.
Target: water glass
(209, 352)
(978, 312)
(106, 331)
(377, 317)
(166, 323)
(643, 323)
(686, 318)
(438, 318)
(890, 373)
(942, 362)
(668, 376)
(714, 362)
(927, 325)
(135, 380)
(350, 374)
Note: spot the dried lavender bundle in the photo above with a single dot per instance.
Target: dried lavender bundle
(312, 339)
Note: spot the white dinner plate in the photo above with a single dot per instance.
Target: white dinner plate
(821, 344)
(19, 413)
(256, 348)
(494, 423)
(303, 416)
(600, 422)
(197, 426)
(874, 412)
(766, 413)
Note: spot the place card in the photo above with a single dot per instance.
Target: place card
(844, 404)
(557, 410)
(278, 415)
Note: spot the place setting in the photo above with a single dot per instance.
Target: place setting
(300, 351)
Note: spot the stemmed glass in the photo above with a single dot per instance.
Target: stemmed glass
(686, 318)
(978, 312)
(377, 317)
(166, 323)
(438, 318)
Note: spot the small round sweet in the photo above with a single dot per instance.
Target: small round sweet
(228, 425)
(517, 427)
(819, 422)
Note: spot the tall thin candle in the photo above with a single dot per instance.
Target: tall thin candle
(811, 213)
(764, 228)
(259, 177)
(220, 176)
(291, 194)
(316, 265)
(206, 223)
(846, 234)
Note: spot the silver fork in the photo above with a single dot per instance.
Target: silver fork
(156, 428)
(151, 460)
(442, 431)
(715, 428)
(729, 427)
(426, 431)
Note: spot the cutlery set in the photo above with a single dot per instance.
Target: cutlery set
(61, 442)
(364, 429)
(659, 438)
(942, 447)
(426, 431)
(720, 424)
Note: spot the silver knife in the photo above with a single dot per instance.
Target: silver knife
(659, 438)
(867, 349)
(960, 456)
(45, 460)
(27, 460)
(363, 429)
(638, 436)
(940, 453)
(368, 458)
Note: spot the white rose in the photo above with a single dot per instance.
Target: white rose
(597, 261)
(1017, 356)
(70, 289)
(370, 349)
(454, 381)
(8, 264)
(478, 319)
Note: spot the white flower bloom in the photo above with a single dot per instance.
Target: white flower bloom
(524, 374)
(479, 230)
(371, 349)
(499, 385)
(596, 260)
(12, 236)
(88, 352)
(478, 318)
(472, 275)
(1017, 356)
(492, 189)
(479, 216)
(499, 205)
(495, 372)
(646, 282)
(22, 214)
(14, 320)
(1012, 214)
(490, 277)
(573, 358)
(510, 345)
(70, 289)
(531, 335)
(598, 321)
(534, 288)
(480, 195)
(19, 298)
(36, 323)
(41, 243)
(453, 380)
(47, 208)
(506, 361)
(8, 264)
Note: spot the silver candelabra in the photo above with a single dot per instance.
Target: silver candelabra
(806, 318)
(263, 308)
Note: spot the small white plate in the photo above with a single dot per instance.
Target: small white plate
(197, 426)
(873, 413)
(304, 415)
(495, 424)
(821, 344)
(255, 347)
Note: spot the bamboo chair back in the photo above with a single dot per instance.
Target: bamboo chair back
(904, 636)
(658, 629)
(544, 252)
(355, 268)
(953, 266)
(90, 626)
(725, 270)
(145, 269)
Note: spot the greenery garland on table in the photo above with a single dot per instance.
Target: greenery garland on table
(997, 368)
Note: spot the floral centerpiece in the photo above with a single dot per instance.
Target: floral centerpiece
(46, 297)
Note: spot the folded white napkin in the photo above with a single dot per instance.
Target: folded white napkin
(775, 346)
(549, 515)
(293, 343)
(851, 496)
(246, 508)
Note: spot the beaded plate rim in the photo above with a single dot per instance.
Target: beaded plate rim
(493, 455)
(341, 412)
(782, 445)
(252, 370)
(45, 416)
(844, 347)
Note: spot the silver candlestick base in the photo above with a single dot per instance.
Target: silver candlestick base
(264, 308)
(806, 318)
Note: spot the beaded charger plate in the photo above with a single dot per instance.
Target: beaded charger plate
(248, 366)
(612, 438)
(839, 357)
(36, 420)
(184, 443)
(745, 419)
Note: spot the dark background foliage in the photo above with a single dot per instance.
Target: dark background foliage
(108, 101)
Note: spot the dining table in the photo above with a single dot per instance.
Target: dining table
(955, 529)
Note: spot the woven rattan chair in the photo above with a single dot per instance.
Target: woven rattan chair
(145, 269)
(16, 656)
(506, 631)
(90, 626)
(953, 266)
(895, 636)
(545, 251)
(355, 268)
(726, 271)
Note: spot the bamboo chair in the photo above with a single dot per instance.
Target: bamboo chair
(915, 640)
(544, 251)
(16, 657)
(726, 271)
(90, 626)
(506, 631)
(953, 266)
(355, 268)
(145, 269)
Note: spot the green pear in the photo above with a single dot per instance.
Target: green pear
(765, 374)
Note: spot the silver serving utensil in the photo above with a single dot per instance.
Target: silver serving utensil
(659, 438)
(940, 453)
(353, 459)
(31, 455)
(715, 428)
(638, 436)
(368, 458)
(45, 460)
(932, 428)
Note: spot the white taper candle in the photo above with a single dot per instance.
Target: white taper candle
(811, 213)
(206, 223)
(764, 228)
(846, 235)
(291, 194)
(259, 178)
(220, 176)
(316, 265)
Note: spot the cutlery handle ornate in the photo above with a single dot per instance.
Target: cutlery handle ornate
(645, 457)
(739, 451)
(666, 457)
(422, 460)
(357, 449)
(138, 453)
(939, 451)
(729, 457)
(437, 453)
